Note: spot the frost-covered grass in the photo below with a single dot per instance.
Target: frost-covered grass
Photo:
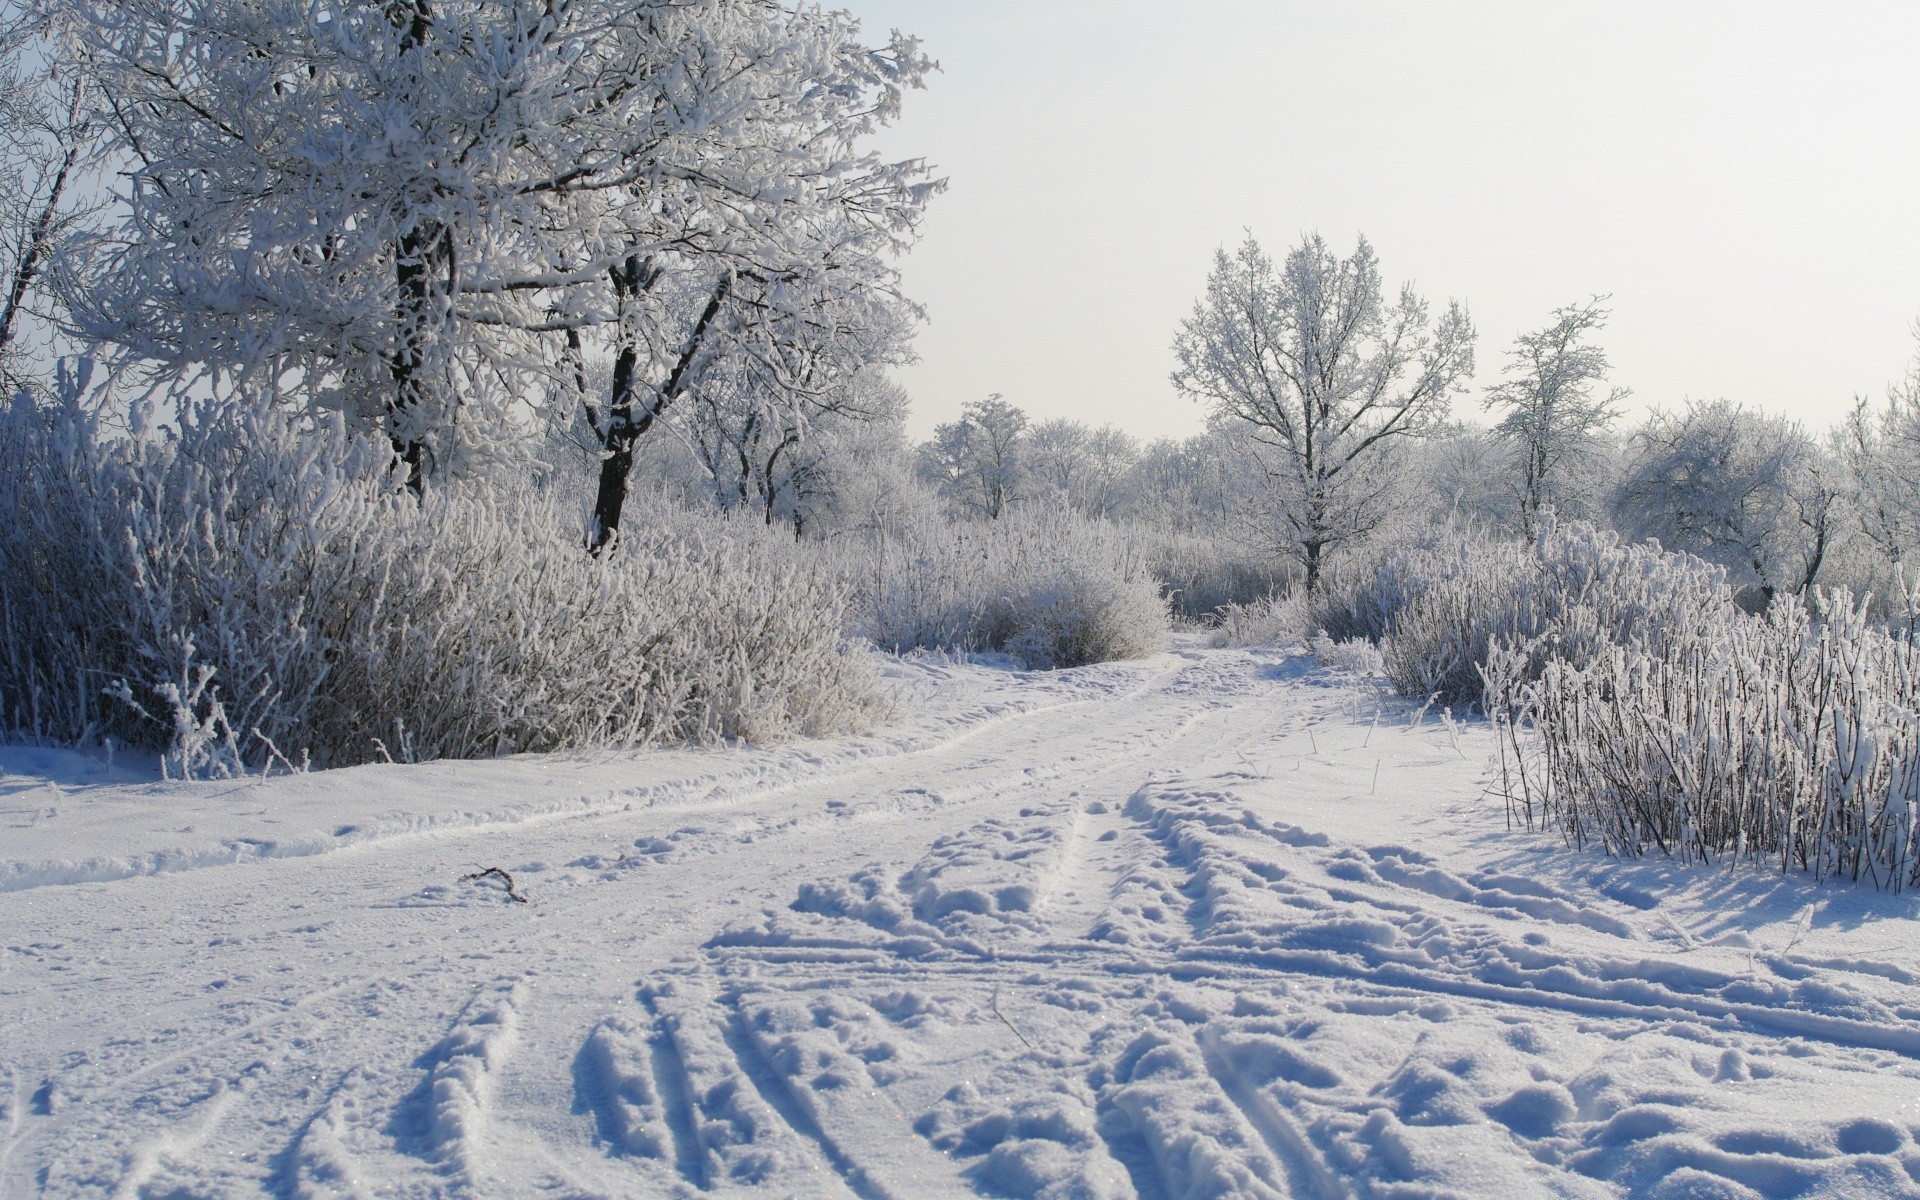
(244, 589)
(1644, 710)
(1052, 588)
(1277, 620)
(1792, 737)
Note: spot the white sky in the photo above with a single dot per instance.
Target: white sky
(1744, 178)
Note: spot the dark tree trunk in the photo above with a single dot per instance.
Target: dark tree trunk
(423, 276)
(1312, 557)
(626, 422)
(33, 255)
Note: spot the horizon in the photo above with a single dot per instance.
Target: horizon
(1730, 175)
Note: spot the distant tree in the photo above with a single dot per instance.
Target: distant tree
(1191, 485)
(1111, 453)
(1555, 417)
(975, 462)
(1751, 492)
(1313, 365)
(1080, 464)
(1056, 457)
(1463, 470)
(1881, 449)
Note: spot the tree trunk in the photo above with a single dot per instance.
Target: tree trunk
(33, 255)
(1312, 557)
(624, 425)
(422, 261)
(422, 273)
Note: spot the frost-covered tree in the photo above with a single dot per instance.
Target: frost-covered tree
(975, 462)
(1554, 416)
(1881, 448)
(1751, 492)
(1463, 472)
(788, 463)
(1192, 485)
(45, 137)
(1317, 368)
(428, 213)
(1083, 465)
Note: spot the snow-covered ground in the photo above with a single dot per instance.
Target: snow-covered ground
(1215, 924)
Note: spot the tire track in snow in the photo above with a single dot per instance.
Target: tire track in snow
(779, 1096)
(678, 1107)
(1364, 939)
(1308, 1174)
(766, 775)
(447, 1119)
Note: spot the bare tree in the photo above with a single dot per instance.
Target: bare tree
(1082, 465)
(785, 461)
(1555, 418)
(1314, 366)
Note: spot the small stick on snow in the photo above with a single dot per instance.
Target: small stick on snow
(994, 1004)
(504, 878)
(1376, 778)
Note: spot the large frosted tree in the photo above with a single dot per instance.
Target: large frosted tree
(1322, 372)
(430, 214)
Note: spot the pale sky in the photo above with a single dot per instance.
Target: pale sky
(1744, 178)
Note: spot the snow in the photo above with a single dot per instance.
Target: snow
(1221, 923)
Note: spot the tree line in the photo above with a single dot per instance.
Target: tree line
(1330, 408)
(624, 243)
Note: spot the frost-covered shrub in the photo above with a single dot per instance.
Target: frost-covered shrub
(1051, 587)
(1438, 605)
(1792, 737)
(1357, 655)
(244, 586)
(1202, 575)
(1275, 621)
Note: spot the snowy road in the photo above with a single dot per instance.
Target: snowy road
(1218, 924)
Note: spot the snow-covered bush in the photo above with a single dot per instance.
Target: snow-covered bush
(1042, 583)
(1357, 655)
(1278, 620)
(1438, 605)
(1202, 575)
(1792, 737)
(244, 586)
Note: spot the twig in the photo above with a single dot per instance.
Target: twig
(504, 878)
(994, 1004)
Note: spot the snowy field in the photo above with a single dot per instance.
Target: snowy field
(1216, 924)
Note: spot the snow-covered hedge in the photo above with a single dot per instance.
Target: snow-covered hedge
(1792, 737)
(1203, 575)
(1051, 587)
(243, 587)
(1438, 605)
(1277, 620)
